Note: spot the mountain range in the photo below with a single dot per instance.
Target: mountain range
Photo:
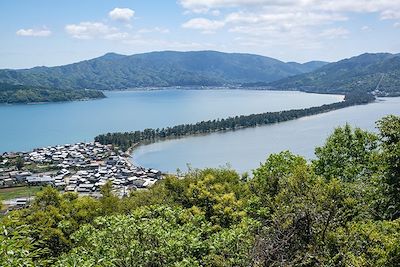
(378, 73)
(168, 68)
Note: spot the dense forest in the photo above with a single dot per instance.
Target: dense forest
(159, 69)
(13, 94)
(378, 73)
(128, 139)
(341, 209)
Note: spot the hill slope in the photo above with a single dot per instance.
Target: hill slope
(12, 94)
(378, 73)
(113, 71)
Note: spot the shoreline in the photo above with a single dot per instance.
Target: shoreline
(124, 140)
(131, 150)
(149, 89)
(379, 99)
(51, 102)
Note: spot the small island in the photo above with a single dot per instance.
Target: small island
(23, 94)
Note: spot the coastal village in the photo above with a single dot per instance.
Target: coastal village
(82, 168)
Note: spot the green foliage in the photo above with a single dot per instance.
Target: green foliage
(369, 243)
(322, 214)
(13, 94)
(390, 137)
(52, 217)
(17, 248)
(300, 210)
(159, 237)
(347, 155)
(106, 190)
(377, 73)
(204, 68)
(19, 163)
(268, 176)
(218, 194)
(109, 201)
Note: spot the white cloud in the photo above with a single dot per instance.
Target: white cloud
(99, 30)
(91, 30)
(34, 33)
(388, 9)
(213, 12)
(397, 25)
(327, 5)
(122, 14)
(391, 14)
(296, 18)
(205, 25)
(304, 23)
(255, 23)
(357, 6)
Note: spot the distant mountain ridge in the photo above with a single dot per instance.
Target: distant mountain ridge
(167, 68)
(377, 73)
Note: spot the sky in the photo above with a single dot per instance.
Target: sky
(50, 33)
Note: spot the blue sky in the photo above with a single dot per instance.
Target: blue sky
(49, 32)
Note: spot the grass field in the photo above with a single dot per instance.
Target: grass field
(15, 192)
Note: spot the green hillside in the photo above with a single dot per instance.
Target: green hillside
(13, 94)
(113, 71)
(378, 73)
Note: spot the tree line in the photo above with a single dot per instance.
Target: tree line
(126, 140)
(21, 94)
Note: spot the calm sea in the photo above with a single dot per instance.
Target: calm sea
(244, 149)
(24, 127)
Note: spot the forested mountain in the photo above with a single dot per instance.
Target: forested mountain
(113, 71)
(379, 73)
(364, 73)
(32, 94)
(308, 66)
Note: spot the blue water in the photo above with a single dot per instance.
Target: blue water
(24, 127)
(244, 149)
